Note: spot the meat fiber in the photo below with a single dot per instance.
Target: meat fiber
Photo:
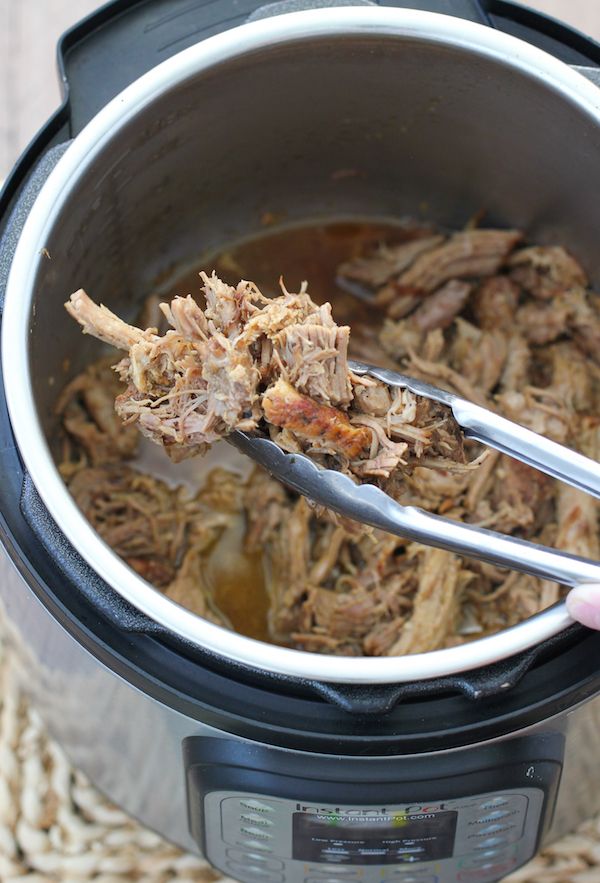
(545, 271)
(466, 255)
(387, 261)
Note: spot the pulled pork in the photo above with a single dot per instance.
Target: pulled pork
(515, 329)
(245, 360)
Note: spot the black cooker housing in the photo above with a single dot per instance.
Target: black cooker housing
(97, 59)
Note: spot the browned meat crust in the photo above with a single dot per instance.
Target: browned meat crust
(320, 425)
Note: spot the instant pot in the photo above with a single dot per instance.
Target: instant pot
(183, 123)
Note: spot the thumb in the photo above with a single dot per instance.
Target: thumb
(583, 604)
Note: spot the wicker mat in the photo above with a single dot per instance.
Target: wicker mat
(55, 827)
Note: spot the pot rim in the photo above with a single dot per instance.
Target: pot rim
(248, 38)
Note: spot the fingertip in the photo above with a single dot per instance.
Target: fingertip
(583, 605)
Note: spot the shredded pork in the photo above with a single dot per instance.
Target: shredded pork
(514, 328)
(245, 360)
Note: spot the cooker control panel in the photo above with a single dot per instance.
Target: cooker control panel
(476, 839)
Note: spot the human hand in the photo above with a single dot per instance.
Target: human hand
(583, 604)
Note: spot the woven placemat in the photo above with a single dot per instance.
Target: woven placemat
(55, 827)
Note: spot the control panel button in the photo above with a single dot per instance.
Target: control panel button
(254, 872)
(482, 861)
(330, 870)
(258, 833)
(496, 828)
(495, 815)
(489, 842)
(256, 805)
(494, 802)
(255, 844)
(403, 875)
(411, 879)
(254, 818)
(481, 858)
(255, 858)
(321, 880)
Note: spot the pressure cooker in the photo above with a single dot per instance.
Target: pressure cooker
(181, 124)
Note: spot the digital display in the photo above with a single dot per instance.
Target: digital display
(372, 839)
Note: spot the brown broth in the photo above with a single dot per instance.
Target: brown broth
(311, 253)
(237, 580)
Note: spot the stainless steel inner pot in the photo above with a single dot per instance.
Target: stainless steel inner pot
(434, 117)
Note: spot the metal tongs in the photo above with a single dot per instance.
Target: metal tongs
(368, 504)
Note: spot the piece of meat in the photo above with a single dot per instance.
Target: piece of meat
(387, 261)
(266, 504)
(439, 309)
(584, 321)
(481, 482)
(546, 271)
(577, 516)
(315, 361)
(86, 408)
(101, 323)
(322, 426)
(229, 308)
(464, 256)
(435, 606)
(589, 439)
(478, 356)
(521, 493)
(516, 367)
(495, 303)
(542, 410)
(344, 616)
(141, 518)
(400, 305)
(572, 378)
(541, 323)
(442, 375)
(385, 455)
(373, 398)
(433, 313)
(431, 489)
(186, 317)
(188, 588)
(398, 339)
(186, 395)
(324, 565)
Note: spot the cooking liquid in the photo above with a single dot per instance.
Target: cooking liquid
(312, 252)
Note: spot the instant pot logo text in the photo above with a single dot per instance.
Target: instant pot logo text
(373, 811)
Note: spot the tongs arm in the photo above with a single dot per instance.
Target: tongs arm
(497, 432)
(368, 504)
